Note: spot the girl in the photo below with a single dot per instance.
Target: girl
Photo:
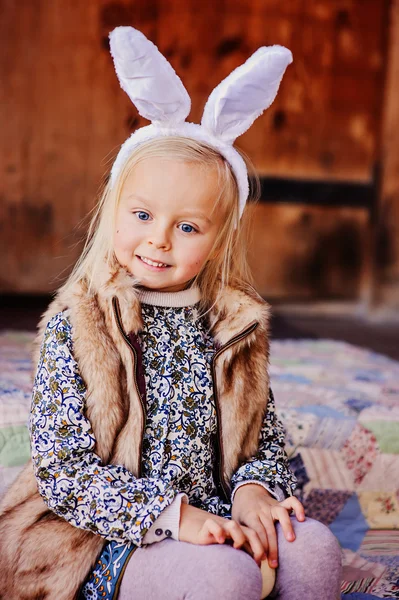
(158, 461)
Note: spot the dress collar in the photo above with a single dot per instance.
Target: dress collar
(187, 297)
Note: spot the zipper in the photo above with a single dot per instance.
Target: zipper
(227, 345)
(115, 306)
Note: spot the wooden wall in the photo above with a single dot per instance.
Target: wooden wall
(386, 227)
(312, 252)
(64, 117)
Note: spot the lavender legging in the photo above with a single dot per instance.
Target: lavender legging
(309, 569)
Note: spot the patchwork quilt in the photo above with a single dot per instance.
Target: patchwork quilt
(340, 407)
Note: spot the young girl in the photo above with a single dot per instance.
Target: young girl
(158, 460)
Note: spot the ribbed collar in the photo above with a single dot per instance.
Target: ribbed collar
(170, 299)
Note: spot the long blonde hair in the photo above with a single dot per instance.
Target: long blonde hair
(228, 265)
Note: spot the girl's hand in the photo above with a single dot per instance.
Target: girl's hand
(200, 527)
(255, 508)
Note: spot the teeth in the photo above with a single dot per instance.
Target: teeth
(152, 263)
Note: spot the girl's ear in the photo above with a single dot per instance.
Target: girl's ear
(148, 78)
(242, 97)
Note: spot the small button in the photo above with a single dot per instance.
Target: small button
(168, 532)
(158, 532)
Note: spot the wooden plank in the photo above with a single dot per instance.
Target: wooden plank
(65, 111)
(44, 150)
(309, 252)
(324, 121)
(386, 284)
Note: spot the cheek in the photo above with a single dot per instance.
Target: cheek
(124, 239)
(195, 257)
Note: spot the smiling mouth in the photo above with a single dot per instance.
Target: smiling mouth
(152, 263)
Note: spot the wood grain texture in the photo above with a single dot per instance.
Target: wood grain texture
(386, 284)
(64, 115)
(302, 252)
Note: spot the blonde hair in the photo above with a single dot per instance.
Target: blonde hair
(228, 263)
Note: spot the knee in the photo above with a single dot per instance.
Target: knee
(234, 575)
(311, 562)
(317, 543)
(243, 574)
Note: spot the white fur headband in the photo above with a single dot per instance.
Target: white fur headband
(160, 96)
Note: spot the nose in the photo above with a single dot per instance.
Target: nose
(159, 238)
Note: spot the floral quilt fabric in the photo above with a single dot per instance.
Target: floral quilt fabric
(340, 407)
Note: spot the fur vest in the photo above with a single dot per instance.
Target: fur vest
(43, 556)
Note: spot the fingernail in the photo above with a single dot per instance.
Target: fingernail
(274, 564)
(291, 537)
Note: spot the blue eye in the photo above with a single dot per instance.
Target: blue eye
(142, 215)
(187, 228)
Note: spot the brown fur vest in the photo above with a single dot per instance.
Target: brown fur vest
(42, 555)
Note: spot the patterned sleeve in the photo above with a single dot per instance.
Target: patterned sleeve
(270, 464)
(105, 499)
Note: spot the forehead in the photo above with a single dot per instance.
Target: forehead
(173, 183)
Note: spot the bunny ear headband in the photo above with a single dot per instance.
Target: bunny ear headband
(160, 96)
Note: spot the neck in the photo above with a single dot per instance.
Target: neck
(187, 297)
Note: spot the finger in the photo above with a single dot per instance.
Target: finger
(257, 526)
(235, 531)
(258, 551)
(271, 533)
(296, 506)
(280, 514)
(215, 530)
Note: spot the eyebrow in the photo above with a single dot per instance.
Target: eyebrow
(194, 213)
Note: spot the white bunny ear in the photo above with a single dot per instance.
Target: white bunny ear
(242, 97)
(148, 78)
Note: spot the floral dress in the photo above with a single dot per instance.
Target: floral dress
(181, 425)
